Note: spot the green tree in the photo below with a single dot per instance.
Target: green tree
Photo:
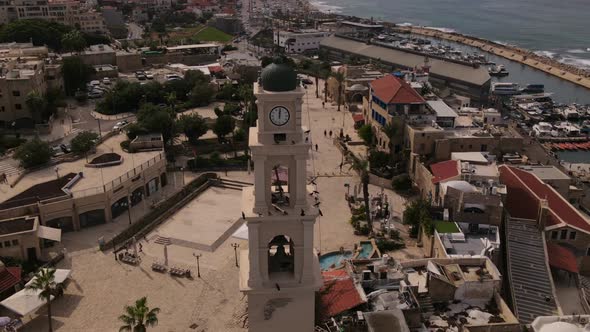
(181, 88)
(193, 77)
(227, 92)
(224, 125)
(362, 167)
(40, 32)
(139, 316)
(157, 119)
(135, 129)
(55, 98)
(44, 282)
(73, 41)
(33, 153)
(202, 94)
(75, 74)
(36, 104)
(84, 142)
(193, 126)
(366, 134)
(153, 92)
(417, 214)
(339, 77)
(124, 97)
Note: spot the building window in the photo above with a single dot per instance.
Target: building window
(484, 147)
(18, 106)
(16, 93)
(15, 242)
(563, 235)
(554, 235)
(0, 244)
(572, 235)
(588, 252)
(7, 244)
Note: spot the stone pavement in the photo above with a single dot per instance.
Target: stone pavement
(101, 286)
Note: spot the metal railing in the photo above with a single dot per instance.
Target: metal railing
(121, 179)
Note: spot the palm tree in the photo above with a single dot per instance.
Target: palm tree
(138, 317)
(362, 167)
(44, 282)
(339, 77)
(316, 72)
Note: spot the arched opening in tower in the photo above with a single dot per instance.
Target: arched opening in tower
(280, 185)
(281, 255)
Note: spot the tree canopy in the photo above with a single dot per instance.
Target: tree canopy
(84, 142)
(75, 73)
(139, 316)
(157, 119)
(202, 94)
(73, 41)
(193, 126)
(36, 104)
(124, 97)
(33, 153)
(224, 125)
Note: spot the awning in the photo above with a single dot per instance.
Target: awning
(24, 302)
(60, 276)
(358, 118)
(561, 258)
(27, 301)
(49, 233)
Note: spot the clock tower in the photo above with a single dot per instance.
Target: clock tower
(280, 271)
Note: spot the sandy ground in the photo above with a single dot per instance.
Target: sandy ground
(101, 286)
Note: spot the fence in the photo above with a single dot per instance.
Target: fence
(121, 179)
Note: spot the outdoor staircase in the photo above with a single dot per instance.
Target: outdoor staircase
(425, 302)
(165, 241)
(231, 184)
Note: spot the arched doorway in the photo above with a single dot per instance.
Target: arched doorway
(92, 218)
(281, 255)
(66, 224)
(119, 207)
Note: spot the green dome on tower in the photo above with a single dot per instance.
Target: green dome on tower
(278, 77)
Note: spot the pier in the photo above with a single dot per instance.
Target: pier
(547, 65)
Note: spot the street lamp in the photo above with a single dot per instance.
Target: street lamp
(236, 246)
(182, 170)
(198, 267)
(57, 172)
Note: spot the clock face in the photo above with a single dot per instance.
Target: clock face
(279, 115)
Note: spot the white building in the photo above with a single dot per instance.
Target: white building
(300, 41)
(68, 12)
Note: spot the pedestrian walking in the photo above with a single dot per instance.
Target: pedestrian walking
(316, 147)
(323, 104)
(325, 133)
(330, 134)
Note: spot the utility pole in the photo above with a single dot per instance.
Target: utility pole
(198, 267)
(129, 207)
(236, 246)
(99, 130)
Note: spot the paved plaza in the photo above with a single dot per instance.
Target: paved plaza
(101, 286)
(205, 222)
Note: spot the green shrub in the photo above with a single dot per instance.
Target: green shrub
(401, 183)
(385, 245)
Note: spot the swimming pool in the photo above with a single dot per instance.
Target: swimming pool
(366, 250)
(334, 259)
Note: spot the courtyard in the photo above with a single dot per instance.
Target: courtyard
(101, 286)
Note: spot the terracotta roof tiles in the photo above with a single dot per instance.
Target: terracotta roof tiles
(394, 90)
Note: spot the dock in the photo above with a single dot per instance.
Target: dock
(574, 75)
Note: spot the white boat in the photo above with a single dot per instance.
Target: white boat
(502, 88)
(542, 129)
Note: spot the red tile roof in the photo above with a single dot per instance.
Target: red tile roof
(561, 258)
(215, 69)
(9, 277)
(394, 90)
(358, 117)
(525, 190)
(339, 293)
(444, 170)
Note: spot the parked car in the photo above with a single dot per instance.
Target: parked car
(306, 81)
(106, 81)
(149, 75)
(94, 94)
(172, 77)
(94, 83)
(140, 75)
(122, 123)
(56, 151)
(64, 148)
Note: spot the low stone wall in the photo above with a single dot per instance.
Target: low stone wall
(160, 212)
